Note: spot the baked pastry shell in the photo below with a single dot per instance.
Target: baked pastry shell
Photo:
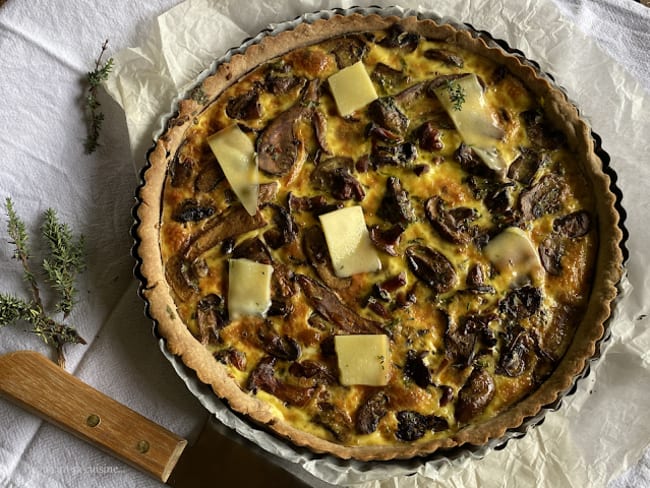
(184, 349)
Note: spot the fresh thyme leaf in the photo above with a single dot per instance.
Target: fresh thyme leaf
(456, 94)
(66, 259)
(95, 117)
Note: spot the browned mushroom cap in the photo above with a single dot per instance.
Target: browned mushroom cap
(431, 267)
(245, 106)
(474, 396)
(525, 167)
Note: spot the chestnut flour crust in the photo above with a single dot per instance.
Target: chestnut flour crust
(493, 226)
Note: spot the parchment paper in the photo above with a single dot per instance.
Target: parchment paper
(602, 428)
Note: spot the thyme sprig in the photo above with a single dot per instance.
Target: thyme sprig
(64, 262)
(456, 94)
(96, 117)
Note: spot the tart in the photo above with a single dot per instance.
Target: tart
(379, 237)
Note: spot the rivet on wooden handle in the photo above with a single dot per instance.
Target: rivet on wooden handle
(37, 384)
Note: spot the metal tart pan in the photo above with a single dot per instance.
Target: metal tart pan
(317, 468)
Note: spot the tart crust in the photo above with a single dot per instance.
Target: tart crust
(181, 342)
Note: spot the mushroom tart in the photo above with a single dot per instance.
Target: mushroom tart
(379, 237)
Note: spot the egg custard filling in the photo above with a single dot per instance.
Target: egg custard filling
(379, 237)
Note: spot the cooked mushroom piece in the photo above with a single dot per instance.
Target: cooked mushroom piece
(192, 211)
(385, 113)
(389, 78)
(387, 239)
(263, 378)
(371, 411)
(329, 305)
(412, 425)
(521, 302)
(573, 225)
(211, 316)
(334, 419)
(474, 396)
(278, 147)
(245, 106)
(396, 206)
(416, 369)
(545, 197)
(400, 154)
(432, 268)
(398, 37)
(447, 57)
(515, 355)
(525, 167)
(334, 175)
(452, 224)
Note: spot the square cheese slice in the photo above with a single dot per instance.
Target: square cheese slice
(249, 288)
(352, 88)
(363, 359)
(348, 242)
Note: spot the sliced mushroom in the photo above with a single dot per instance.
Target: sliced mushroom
(432, 268)
(334, 419)
(279, 346)
(540, 132)
(313, 370)
(211, 316)
(263, 378)
(447, 57)
(525, 167)
(452, 224)
(232, 356)
(412, 425)
(385, 113)
(515, 355)
(474, 396)
(328, 304)
(347, 49)
(396, 206)
(285, 230)
(545, 197)
(191, 211)
(246, 106)
(371, 411)
(387, 239)
(278, 147)
(416, 369)
(334, 175)
(400, 154)
(389, 78)
(573, 225)
(398, 37)
(521, 302)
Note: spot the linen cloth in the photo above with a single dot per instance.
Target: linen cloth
(45, 50)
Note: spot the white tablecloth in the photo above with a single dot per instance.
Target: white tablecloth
(46, 47)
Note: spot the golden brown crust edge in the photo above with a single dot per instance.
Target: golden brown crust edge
(180, 341)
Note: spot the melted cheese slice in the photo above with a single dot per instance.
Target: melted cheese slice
(249, 288)
(348, 242)
(513, 254)
(363, 359)
(352, 89)
(235, 153)
(474, 120)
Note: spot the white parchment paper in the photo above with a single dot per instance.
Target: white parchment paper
(603, 427)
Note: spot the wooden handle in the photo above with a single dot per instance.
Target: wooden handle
(37, 384)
